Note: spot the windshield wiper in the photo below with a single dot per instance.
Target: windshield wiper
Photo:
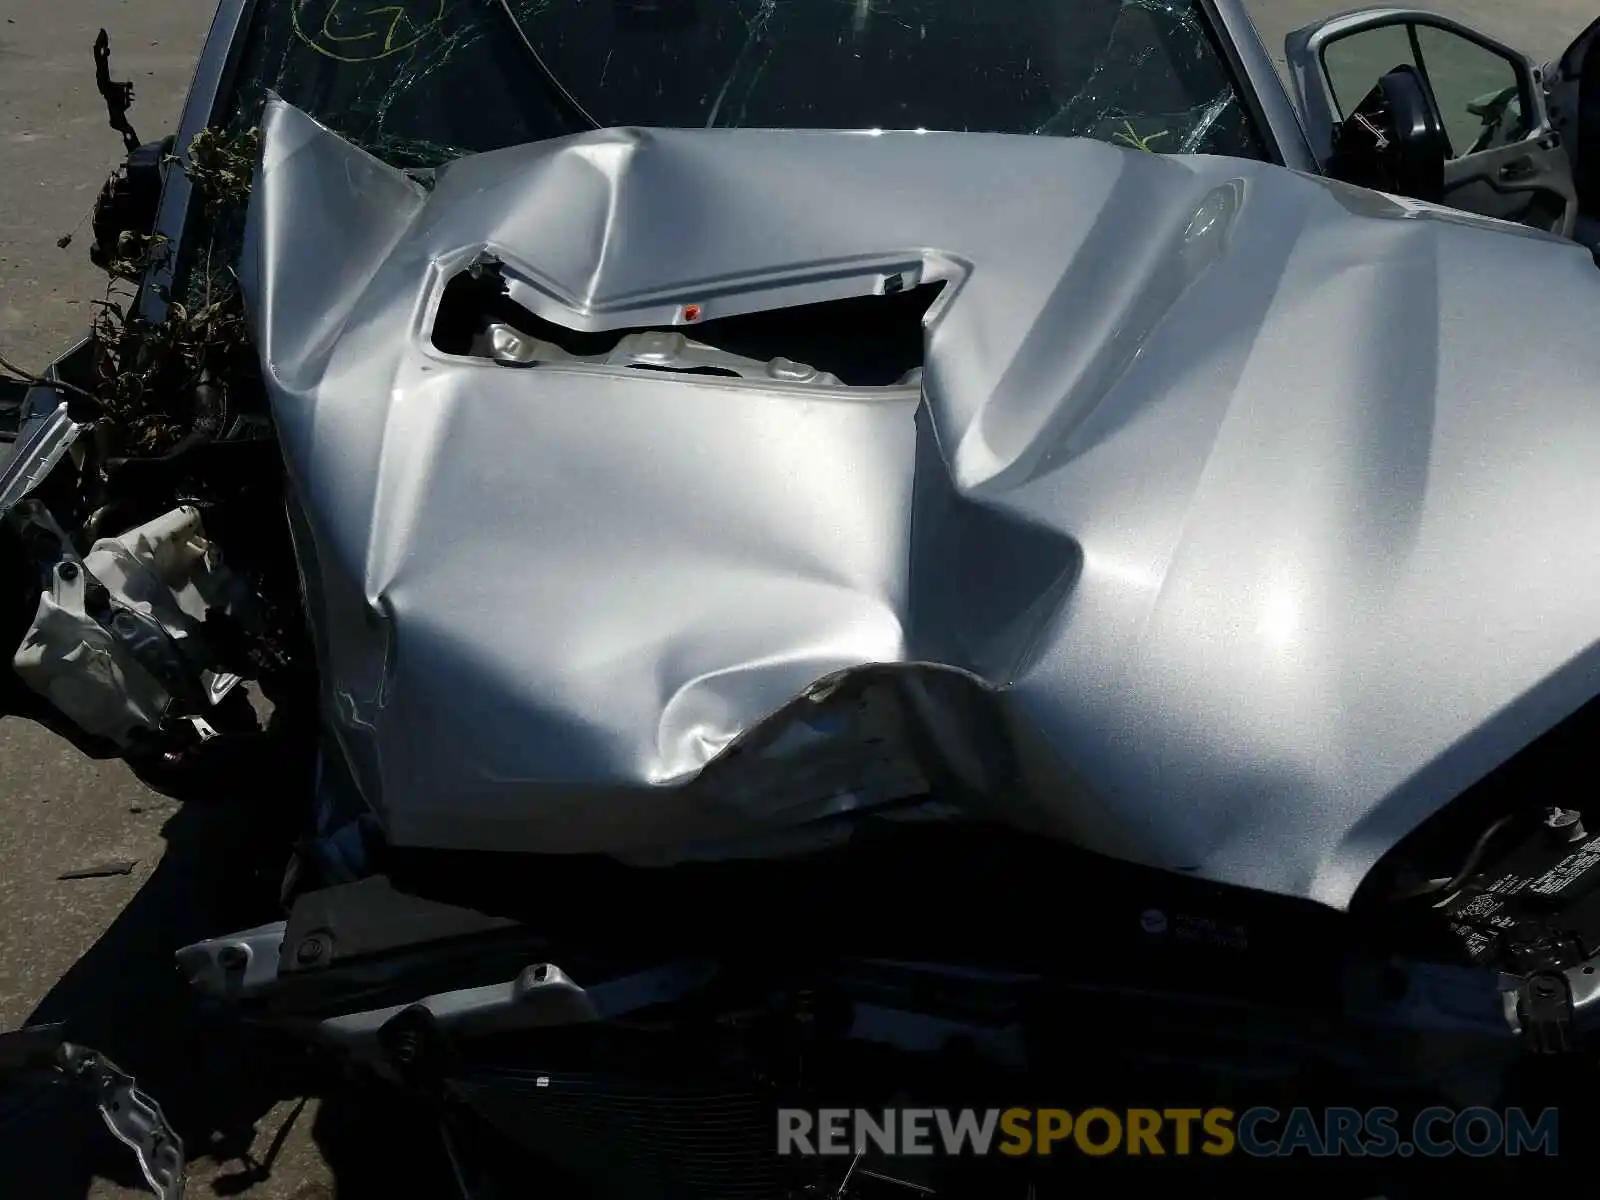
(551, 80)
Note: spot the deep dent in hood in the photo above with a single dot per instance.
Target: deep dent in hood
(1237, 525)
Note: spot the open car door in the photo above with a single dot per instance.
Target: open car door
(1572, 95)
(1503, 157)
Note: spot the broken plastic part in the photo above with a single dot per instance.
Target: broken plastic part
(117, 95)
(116, 637)
(42, 441)
(232, 967)
(539, 996)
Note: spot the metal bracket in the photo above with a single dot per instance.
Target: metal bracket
(118, 95)
(133, 1118)
(42, 440)
(1545, 1013)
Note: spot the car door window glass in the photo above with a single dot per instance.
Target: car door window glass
(1477, 91)
(1355, 64)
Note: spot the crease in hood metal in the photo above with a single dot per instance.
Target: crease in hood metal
(1236, 523)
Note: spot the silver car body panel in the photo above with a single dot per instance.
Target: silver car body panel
(1236, 526)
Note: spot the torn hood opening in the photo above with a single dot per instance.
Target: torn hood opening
(1226, 528)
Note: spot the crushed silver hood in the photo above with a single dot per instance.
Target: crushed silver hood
(1240, 521)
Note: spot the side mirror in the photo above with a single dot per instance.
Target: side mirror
(129, 200)
(1484, 101)
(1393, 140)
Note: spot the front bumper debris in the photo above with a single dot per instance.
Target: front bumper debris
(133, 1118)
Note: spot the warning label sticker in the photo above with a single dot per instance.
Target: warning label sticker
(1476, 942)
(1569, 871)
(1481, 907)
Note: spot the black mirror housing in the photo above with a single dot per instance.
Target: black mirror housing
(1394, 140)
(129, 201)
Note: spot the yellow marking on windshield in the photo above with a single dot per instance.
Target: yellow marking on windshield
(352, 33)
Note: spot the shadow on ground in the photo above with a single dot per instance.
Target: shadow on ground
(217, 1082)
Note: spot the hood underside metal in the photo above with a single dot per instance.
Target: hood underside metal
(1233, 525)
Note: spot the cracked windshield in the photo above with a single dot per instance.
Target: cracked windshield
(419, 82)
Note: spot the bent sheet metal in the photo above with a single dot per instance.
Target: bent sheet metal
(1198, 537)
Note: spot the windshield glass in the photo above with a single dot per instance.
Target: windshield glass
(419, 82)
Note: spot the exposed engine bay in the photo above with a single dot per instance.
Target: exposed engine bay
(733, 640)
